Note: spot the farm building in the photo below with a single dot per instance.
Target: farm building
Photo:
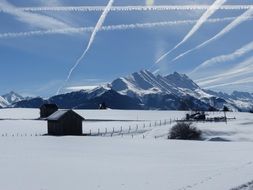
(198, 116)
(64, 122)
(47, 110)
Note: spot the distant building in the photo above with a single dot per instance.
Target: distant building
(64, 122)
(198, 116)
(102, 106)
(47, 110)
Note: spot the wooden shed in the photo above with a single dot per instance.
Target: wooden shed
(47, 110)
(65, 122)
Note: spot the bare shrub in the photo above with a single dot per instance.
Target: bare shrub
(184, 131)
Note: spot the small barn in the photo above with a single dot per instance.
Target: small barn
(197, 116)
(47, 110)
(65, 122)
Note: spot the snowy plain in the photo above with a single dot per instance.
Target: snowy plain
(140, 159)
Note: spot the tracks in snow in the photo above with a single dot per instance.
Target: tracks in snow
(246, 186)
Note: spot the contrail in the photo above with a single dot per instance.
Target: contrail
(93, 35)
(73, 30)
(241, 69)
(242, 81)
(224, 58)
(242, 18)
(131, 8)
(210, 11)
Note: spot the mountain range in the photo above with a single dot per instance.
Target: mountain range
(142, 90)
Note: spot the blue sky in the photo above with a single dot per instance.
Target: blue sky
(38, 64)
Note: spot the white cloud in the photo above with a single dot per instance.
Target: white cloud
(242, 69)
(225, 58)
(78, 88)
(33, 19)
(238, 82)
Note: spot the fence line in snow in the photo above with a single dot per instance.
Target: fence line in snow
(21, 134)
(130, 130)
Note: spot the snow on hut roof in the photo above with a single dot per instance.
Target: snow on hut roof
(60, 113)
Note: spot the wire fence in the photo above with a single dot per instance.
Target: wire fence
(21, 134)
(131, 130)
(136, 129)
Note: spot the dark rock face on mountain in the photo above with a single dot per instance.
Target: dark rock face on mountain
(92, 99)
(113, 100)
(144, 90)
(30, 103)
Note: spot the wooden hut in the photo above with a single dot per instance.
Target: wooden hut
(47, 110)
(64, 122)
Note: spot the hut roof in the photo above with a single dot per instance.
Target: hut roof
(53, 106)
(61, 113)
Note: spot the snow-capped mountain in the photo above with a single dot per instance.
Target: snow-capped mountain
(144, 82)
(3, 102)
(179, 87)
(12, 97)
(144, 90)
(241, 101)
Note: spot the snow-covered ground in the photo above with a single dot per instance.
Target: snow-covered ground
(136, 160)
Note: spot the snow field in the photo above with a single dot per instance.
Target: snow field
(137, 124)
(65, 163)
(105, 163)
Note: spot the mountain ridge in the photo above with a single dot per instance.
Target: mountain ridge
(144, 90)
